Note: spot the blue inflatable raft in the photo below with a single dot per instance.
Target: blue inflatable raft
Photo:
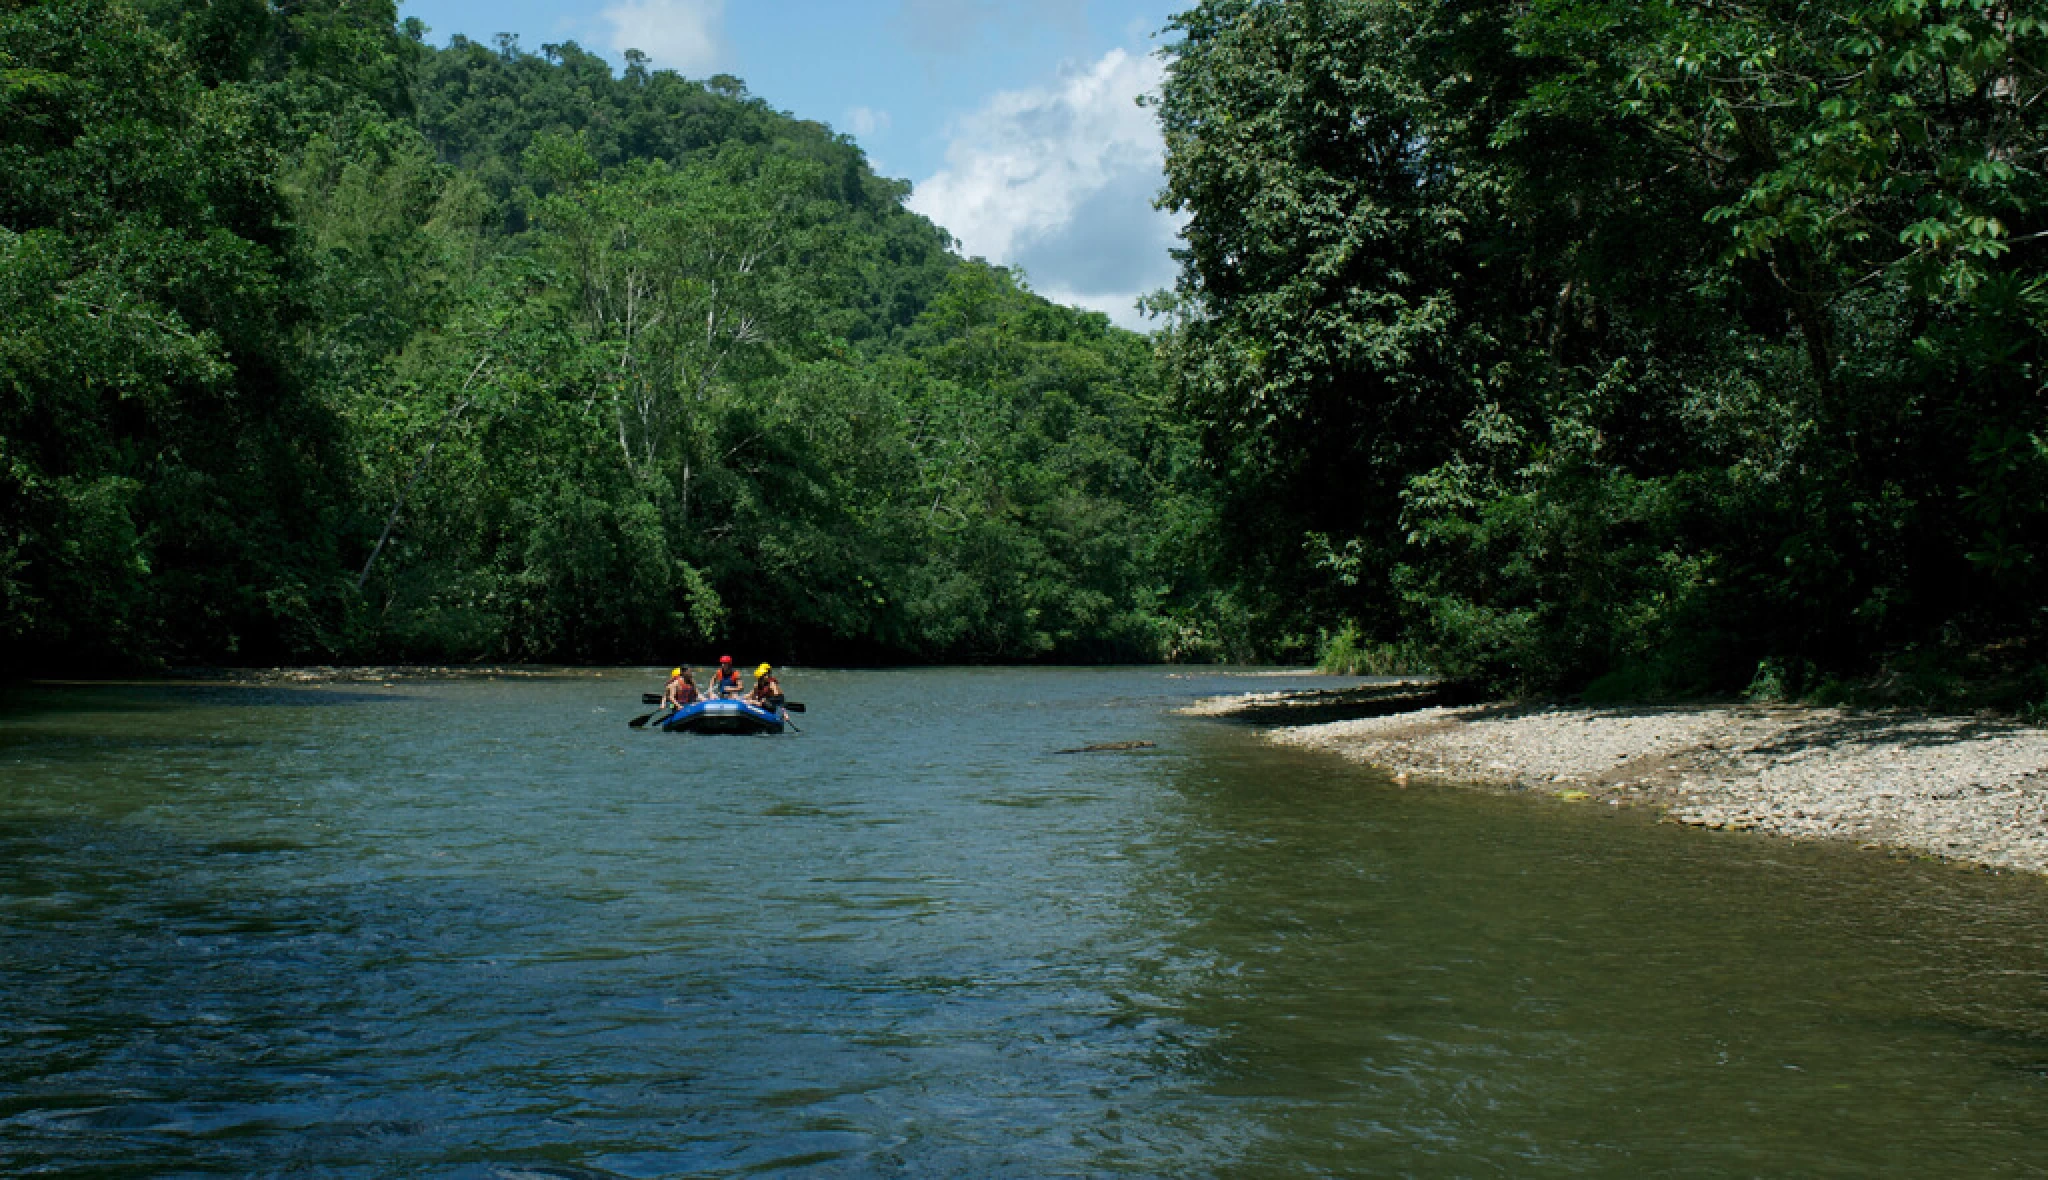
(724, 716)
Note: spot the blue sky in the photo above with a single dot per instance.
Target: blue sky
(1015, 120)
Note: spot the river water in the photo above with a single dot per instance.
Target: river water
(479, 928)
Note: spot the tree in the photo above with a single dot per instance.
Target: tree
(1587, 339)
(167, 485)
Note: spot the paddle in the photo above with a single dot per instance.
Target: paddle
(642, 720)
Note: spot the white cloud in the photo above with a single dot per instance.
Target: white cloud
(867, 123)
(683, 35)
(1059, 181)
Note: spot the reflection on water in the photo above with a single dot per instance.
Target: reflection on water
(477, 928)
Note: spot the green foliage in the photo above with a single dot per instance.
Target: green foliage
(1347, 652)
(506, 118)
(319, 342)
(1592, 342)
(166, 485)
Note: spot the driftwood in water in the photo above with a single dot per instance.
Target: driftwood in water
(1105, 747)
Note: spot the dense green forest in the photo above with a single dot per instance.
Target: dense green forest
(320, 343)
(1657, 347)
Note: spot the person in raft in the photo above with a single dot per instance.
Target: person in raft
(682, 690)
(767, 690)
(726, 681)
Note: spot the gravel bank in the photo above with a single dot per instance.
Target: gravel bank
(1971, 788)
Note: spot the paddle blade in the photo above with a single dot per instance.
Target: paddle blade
(641, 720)
(650, 698)
(793, 706)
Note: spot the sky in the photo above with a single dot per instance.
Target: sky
(1015, 120)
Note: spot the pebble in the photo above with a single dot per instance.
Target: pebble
(1969, 788)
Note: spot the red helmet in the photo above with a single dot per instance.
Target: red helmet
(725, 659)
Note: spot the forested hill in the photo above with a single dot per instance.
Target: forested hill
(318, 342)
(482, 108)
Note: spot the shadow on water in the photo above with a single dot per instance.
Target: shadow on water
(84, 722)
(1432, 980)
(21, 701)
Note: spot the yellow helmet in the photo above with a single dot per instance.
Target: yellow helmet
(674, 672)
(761, 671)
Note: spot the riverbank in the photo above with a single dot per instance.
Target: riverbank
(1968, 788)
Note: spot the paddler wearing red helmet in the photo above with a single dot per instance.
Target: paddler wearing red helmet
(726, 681)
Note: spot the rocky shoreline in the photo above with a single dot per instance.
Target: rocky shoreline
(1968, 788)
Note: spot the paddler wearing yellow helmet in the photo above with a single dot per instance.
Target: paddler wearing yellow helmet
(767, 691)
(682, 690)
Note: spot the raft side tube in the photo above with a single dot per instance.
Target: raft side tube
(724, 715)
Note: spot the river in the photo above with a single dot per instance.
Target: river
(479, 928)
